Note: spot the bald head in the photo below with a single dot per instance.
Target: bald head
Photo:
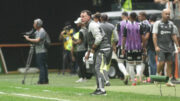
(166, 14)
(166, 11)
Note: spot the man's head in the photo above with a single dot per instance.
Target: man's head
(133, 16)
(124, 16)
(37, 23)
(142, 16)
(104, 17)
(96, 17)
(165, 14)
(152, 18)
(85, 16)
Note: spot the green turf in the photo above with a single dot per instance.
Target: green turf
(64, 88)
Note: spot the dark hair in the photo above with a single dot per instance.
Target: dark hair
(97, 15)
(133, 15)
(125, 14)
(104, 17)
(87, 11)
(153, 18)
(143, 14)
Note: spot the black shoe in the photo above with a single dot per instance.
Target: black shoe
(95, 91)
(173, 79)
(99, 92)
(41, 83)
(108, 84)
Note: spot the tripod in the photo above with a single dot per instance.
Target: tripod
(28, 62)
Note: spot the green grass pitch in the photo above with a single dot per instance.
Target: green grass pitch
(64, 88)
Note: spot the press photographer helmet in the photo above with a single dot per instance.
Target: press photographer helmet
(38, 22)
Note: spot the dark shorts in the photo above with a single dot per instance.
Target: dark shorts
(119, 53)
(165, 56)
(134, 55)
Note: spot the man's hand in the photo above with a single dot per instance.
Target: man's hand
(87, 56)
(157, 49)
(26, 37)
(123, 52)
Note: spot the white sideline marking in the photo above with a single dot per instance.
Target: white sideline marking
(46, 90)
(31, 96)
(21, 88)
(2, 93)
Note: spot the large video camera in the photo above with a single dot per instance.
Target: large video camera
(30, 33)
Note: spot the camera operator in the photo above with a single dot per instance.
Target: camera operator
(41, 51)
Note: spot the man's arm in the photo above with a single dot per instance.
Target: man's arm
(147, 35)
(155, 33)
(115, 39)
(97, 34)
(61, 35)
(32, 40)
(155, 42)
(174, 37)
(124, 40)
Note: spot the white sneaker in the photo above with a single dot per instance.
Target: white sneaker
(170, 84)
(80, 80)
(84, 80)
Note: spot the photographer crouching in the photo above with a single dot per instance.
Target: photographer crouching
(40, 49)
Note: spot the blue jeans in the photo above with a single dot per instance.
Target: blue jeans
(41, 60)
(152, 61)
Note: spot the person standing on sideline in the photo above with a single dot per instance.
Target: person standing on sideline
(164, 38)
(79, 49)
(40, 49)
(150, 47)
(98, 45)
(142, 17)
(132, 43)
(66, 38)
(122, 58)
(110, 31)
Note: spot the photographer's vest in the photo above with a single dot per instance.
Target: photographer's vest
(81, 46)
(68, 41)
(127, 6)
(133, 39)
(164, 36)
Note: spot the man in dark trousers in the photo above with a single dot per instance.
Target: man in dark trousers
(79, 49)
(41, 51)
